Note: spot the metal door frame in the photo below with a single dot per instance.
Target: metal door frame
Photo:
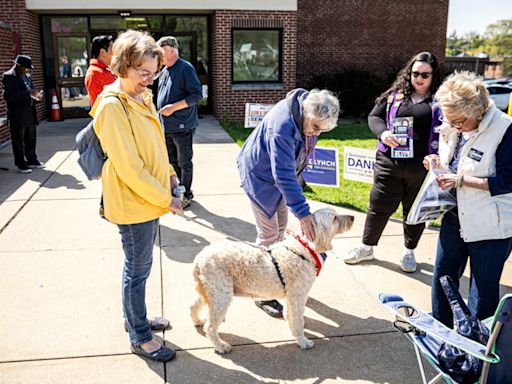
(79, 81)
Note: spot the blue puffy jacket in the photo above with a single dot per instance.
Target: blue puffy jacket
(274, 155)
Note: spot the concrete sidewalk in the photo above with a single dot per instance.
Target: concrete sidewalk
(60, 295)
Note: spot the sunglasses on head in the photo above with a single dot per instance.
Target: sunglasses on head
(424, 75)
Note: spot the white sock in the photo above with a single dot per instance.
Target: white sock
(366, 247)
(407, 250)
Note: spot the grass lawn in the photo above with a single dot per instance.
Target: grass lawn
(351, 194)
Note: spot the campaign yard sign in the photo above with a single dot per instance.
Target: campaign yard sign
(254, 113)
(358, 164)
(323, 169)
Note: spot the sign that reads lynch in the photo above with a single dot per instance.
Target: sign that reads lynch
(358, 164)
(323, 169)
(254, 113)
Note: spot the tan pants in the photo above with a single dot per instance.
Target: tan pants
(270, 231)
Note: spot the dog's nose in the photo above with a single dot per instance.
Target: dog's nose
(352, 218)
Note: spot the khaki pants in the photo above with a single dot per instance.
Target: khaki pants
(270, 231)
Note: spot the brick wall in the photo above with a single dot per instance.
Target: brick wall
(229, 99)
(372, 35)
(24, 37)
(7, 49)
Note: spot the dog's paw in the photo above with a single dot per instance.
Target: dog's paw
(223, 347)
(305, 343)
(199, 322)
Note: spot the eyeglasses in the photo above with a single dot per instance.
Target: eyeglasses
(424, 75)
(454, 124)
(146, 75)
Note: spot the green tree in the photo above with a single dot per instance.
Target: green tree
(453, 44)
(498, 38)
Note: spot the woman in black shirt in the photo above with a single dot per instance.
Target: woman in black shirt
(404, 120)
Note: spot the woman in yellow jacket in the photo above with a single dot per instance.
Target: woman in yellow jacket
(137, 179)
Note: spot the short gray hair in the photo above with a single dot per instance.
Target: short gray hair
(168, 41)
(463, 94)
(323, 106)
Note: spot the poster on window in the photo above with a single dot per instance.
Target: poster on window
(254, 113)
(323, 168)
(358, 164)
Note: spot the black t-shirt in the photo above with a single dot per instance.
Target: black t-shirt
(422, 114)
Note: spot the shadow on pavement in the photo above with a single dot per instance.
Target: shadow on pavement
(52, 137)
(317, 365)
(424, 275)
(234, 228)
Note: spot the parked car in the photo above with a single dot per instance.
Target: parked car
(502, 81)
(500, 94)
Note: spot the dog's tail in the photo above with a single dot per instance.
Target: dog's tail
(199, 284)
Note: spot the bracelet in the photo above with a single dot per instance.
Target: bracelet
(459, 181)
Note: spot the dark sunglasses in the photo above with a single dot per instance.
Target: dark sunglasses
(424, 75)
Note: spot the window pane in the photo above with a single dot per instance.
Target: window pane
(197, 24)
(256, 55)
(69, 24)
(118, 23)
(107, 22)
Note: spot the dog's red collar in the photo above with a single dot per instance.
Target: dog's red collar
(319, 259)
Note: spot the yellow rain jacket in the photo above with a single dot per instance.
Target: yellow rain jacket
(136, 176)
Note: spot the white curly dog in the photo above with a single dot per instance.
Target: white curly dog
(287, 270)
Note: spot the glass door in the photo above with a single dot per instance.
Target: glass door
(71, 61)
(188, 51)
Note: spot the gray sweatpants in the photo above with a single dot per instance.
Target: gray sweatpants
(270, 231)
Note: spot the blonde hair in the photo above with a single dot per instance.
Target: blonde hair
(463, 94)
(322, 105)
(130, 48)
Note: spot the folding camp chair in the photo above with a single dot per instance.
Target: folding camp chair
(427, 334)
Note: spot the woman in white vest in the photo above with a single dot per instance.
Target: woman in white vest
(475, 145)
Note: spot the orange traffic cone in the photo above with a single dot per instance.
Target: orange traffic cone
(56, 113)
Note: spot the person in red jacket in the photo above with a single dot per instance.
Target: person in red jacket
(98, 74)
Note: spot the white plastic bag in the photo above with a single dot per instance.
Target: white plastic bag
(431, 202)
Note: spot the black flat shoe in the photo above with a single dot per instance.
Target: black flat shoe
(271, 307)
(161, 355)
(156, 324)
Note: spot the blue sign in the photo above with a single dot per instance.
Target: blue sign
(323, 169)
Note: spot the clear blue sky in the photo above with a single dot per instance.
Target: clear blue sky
(475, 15)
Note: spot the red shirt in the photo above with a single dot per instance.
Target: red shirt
(98, 75)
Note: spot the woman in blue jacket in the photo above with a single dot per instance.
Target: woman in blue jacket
(273, 157)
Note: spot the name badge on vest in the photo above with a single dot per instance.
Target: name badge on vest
(475, 154)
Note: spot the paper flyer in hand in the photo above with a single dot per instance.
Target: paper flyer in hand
(403, 132)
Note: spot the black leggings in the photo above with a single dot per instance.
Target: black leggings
(395, 181)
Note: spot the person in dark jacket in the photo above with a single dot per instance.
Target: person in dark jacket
(179, 92)
(273, 157)
(398, 170)
(20, 95)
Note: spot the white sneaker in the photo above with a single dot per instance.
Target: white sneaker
(358, 254)
(408, 262)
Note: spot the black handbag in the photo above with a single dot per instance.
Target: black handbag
(461, 366)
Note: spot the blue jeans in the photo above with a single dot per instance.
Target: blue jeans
(486, 259)
(138, 240)
(179, 149)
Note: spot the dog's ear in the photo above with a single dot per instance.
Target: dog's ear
(325, 229)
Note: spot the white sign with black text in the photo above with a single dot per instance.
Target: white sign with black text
(358, 164)
(254, 114)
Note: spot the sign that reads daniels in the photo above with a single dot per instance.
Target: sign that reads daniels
(358, 164)
(323, 169)
(254, 113)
